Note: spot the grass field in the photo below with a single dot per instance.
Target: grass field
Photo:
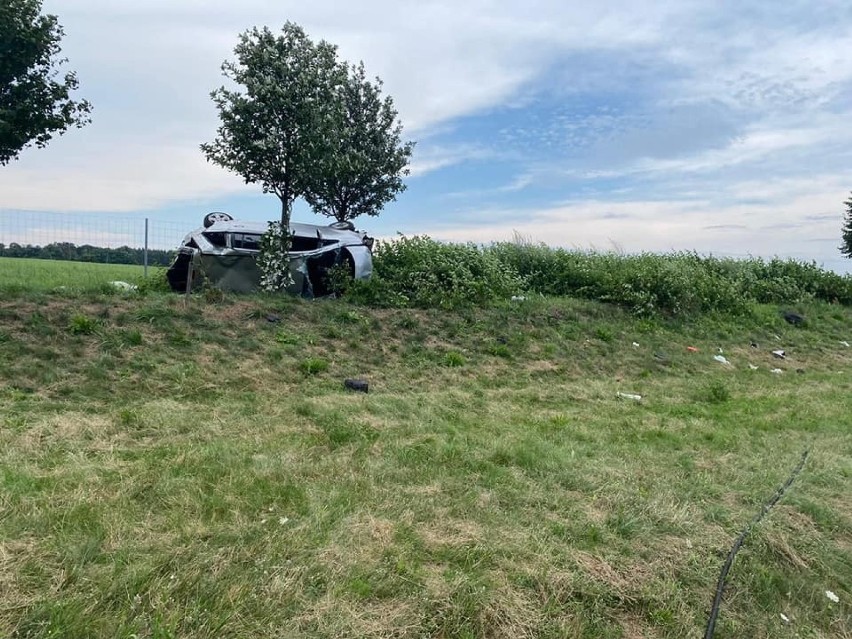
(200, 471)
(24, 274)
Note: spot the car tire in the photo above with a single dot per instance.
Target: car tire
(346, 225)
(216, 216)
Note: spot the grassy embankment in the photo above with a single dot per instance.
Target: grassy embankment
(199, 471)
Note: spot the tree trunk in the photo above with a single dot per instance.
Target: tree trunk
(286, 202)
(286, 212)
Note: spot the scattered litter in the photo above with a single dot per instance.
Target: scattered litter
(692, 349)
(720, 350)
(754, 344)
(793, 318)
(357, 385)
(519, 298)
(636, 344)
(780, 354)
(785, 618)
(832, 597)
(777, 371)
(753, 367)
(272, 318)
(635, 398)
(283, 520)
(123, 286)
(845, 343)
(721, 359)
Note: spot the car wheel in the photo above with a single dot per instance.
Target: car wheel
(216, 216)
(346, 225)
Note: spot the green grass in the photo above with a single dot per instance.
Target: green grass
(24, 274)
(172, 470)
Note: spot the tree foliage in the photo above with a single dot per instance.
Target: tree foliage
(274, 126)
(301, 123)
(35, 97)
(367, 159)
(846, 247)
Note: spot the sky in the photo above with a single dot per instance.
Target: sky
(716, 126)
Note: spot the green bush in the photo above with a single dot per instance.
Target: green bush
(675, 283)
(313, 366)
(419, 271)
(454, 359)
(82, 325)
(156, 282)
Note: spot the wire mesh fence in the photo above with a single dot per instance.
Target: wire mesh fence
(99, 238)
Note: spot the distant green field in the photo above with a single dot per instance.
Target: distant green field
(48, 275)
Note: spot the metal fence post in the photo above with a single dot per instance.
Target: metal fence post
(145, 258)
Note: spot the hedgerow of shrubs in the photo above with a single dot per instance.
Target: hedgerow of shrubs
(422, 272)
(676, 283)
(418, 271)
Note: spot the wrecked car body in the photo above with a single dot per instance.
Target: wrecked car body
(223, 254)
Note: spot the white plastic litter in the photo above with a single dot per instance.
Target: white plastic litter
(845, 343)
(780, 354)
(635, 344)
(519, 298)
(777, 371)
(753, 367)
(632, 396)
(785, 618)
(832, 597)
(721, 359)
(123, 286)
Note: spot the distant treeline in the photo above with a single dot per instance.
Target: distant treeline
(87, 253)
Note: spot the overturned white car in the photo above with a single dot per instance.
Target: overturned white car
(223, 254)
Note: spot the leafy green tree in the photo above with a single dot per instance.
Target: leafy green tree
(35, 98)
(846, 248)
(367, 158)
(276, 125)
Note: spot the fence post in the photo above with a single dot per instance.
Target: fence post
(145, 258)
(189, 274)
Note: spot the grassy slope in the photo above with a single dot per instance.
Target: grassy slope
(182, 472)
(24, 274)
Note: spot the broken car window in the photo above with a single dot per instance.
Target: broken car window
(245, 241)
(216, 239)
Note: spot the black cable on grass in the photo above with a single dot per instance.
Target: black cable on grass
(720, 586)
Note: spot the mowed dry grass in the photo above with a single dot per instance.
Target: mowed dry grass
(171, 470)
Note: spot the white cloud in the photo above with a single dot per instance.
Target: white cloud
(148, 68)
(654, 73)
(434, 157)
(100, 177)
(791, 220)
